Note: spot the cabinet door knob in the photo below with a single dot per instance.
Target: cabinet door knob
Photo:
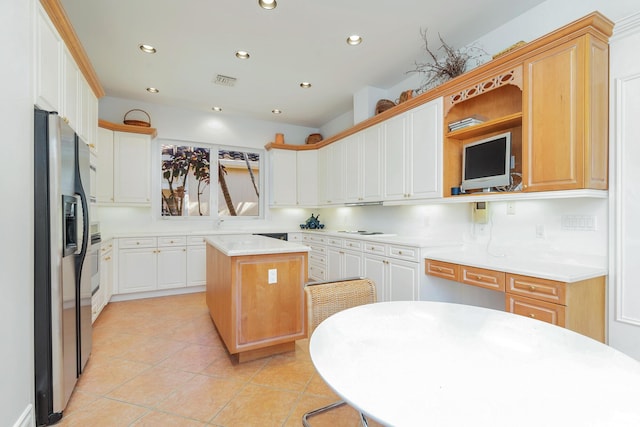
(533, 316)
(532, 288)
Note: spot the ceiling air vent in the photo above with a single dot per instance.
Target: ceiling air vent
(225, 80)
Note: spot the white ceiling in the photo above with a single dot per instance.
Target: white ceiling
(300, 40)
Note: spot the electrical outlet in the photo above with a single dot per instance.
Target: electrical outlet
(273, 276)
(540, 231)
(511, 208)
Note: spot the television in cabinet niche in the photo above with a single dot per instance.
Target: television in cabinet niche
(486, 163)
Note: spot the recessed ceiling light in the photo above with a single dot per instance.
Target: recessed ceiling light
(276, 111)
(242, 54)
(267, 4)
(146, 48)
(354, 40)
(305, 85)
(217, 109)
(153, 90)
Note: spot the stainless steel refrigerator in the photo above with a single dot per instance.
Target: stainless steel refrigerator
(62, 273)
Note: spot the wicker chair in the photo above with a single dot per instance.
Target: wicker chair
(327, 298)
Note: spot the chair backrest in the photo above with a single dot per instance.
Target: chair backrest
(327, 298)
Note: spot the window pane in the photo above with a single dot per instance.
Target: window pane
(185, 181)
(239, 183)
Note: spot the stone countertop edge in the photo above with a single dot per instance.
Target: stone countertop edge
(567, 270)
(387, 238)
(248, 244)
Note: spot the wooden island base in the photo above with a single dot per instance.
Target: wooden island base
(256, 300)
(259, 353)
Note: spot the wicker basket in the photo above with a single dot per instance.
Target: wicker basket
(137, 122)
(313, 138)
(384, 105)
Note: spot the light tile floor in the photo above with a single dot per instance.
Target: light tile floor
(160, 362)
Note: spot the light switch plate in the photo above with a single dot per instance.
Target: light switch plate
(273, 276)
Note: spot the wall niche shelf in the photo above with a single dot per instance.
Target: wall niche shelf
(495, 125)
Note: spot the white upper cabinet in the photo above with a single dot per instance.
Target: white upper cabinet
(307, 177)
(131, 168)
(283, 177)
(88, 112)
(353, 175)
(71, 107)
(48, 63)
(424, 164)
(395, 158)
(104, 166)
(335, 173)
(372, 164)
(413, 153)
(59, 84)
(123, 170)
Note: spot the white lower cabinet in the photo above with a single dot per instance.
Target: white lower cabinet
(101, 298)
(137, 265)
(344, 259)
(394, 269)
(317, 270)
(160, 263)
(196, 261)
(172, 262)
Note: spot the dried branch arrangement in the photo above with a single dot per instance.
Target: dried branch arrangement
(453, 63)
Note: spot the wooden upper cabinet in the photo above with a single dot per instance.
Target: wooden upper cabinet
(565, 116)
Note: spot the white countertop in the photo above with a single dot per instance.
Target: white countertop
(560, 267)
(248, 244)
(440, 364)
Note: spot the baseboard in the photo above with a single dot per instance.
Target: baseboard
(26, 418)
(154, 294)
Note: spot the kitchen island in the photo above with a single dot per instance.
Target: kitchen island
(255, 293)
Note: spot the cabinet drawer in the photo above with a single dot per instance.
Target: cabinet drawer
(195, 240)
(332, 241)
(535, 309)
(404, 252)
(317, 273)
(533, 287)
(484, 278)
(138, 242)
(314, 239)
(317, 258)
(441, 269)
(172, 241)
(355, 245)
(374, 248)
(318, 249)
(106, 246)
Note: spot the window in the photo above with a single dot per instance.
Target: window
(186, 187)
(238, 183)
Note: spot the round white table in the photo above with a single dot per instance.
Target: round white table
(438, 364)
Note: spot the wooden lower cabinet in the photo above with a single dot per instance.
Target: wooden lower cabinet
(254, 317)
(579, 306)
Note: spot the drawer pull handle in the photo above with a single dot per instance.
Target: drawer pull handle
(399, 252)
(532, 288)
(137, 243)
(533, 316)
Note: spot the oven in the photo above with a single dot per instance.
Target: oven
(94, 257)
